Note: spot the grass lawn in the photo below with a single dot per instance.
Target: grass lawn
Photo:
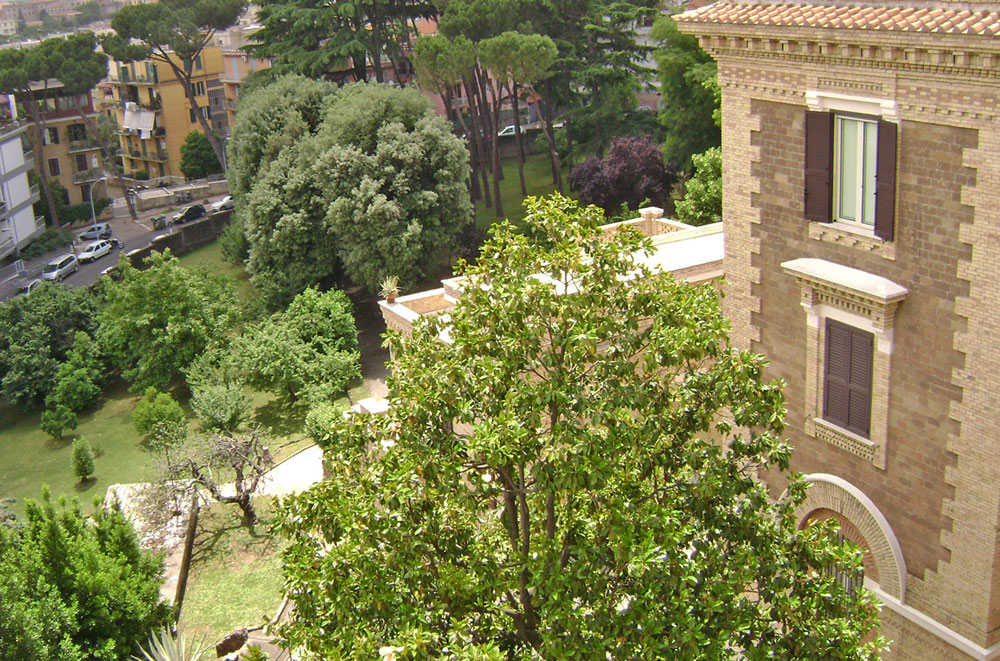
(235, 578)
(538, 177)
(32, 459)
(210, 258)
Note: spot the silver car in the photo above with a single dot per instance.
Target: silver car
(95, 251)
(61, 267)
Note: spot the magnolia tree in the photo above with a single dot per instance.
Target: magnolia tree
(572, 474)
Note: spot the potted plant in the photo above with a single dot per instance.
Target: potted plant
(390, 288)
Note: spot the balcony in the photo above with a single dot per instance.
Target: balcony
(158, 155)
(10, 127)
(82, 177)
(86, 144)
(138, 79)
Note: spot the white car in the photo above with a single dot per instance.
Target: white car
(223, 204)
(505, 131)
(95, 251)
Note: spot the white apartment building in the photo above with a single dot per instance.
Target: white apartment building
(18, 223)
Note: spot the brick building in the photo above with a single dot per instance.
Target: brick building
(861, 147)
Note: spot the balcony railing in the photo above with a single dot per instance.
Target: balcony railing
(29, 156)
(93, 174)
(84, 144)
(158, 155)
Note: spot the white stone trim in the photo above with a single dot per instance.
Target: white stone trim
(855, 281)
(823, 101)
(882, 560)
(932, 626)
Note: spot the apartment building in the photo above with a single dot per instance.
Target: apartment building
(154, 115)
(18, 223)
(237, 64)
(861, 175)
(71, 153)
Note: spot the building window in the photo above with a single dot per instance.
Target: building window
(850, 172)
(81, 162)
(50, 136)
(54, 170)
(850, 315)
(197, 63)
(847, 384)
(856, 143)
(194, 118)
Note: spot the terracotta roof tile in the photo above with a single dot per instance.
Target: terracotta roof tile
(908, 19)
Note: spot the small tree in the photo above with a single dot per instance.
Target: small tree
(197, 158)
(221, 406)
(159, 414)
(58, 420)
(212, 461)
(632, 171)
(702, 203)
(83, 459)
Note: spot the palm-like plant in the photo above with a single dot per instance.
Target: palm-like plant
(164, 646)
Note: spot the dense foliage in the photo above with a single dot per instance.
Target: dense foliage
(310, 350)
(37, 333)
(197, 158)
(76, 588)
(702, 202)
(377, 187)
(573, 474)
(632, 172)
(155, 322)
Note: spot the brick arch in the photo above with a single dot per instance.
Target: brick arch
(830, 495)
(851, 533)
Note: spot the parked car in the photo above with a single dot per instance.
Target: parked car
(95, 232)
(95, 251)
(61, 267)
(193, 212)
(29, 287)
(505, 131)
(223, 204)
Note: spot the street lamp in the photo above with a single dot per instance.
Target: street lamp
(90, 196)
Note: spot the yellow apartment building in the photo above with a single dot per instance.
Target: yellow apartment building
(70, 152)
(154, 115)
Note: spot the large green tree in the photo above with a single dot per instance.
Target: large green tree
(322, 39)
(76, 587)
(568, 469)
(174, 33)
(156, 321)
(379, 190)
(37, 333)
(688, 97)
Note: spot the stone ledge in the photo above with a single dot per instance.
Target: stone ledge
(845, 440)
(834, 233)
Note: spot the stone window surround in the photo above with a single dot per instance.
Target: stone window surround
(850, 234)
(861, 300)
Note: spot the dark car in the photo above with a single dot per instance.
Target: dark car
(193, 212)
(95, 232)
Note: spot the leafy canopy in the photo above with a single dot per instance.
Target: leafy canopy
(75, 587)
(157, 321)
(197, 158)
(571, 474)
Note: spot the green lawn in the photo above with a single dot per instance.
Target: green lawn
(210, 258)
(538, 177)
(32, 459)
(235, 578)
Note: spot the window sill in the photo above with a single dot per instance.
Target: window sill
(843, 439)
(853, 236)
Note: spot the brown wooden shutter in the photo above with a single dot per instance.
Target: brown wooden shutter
(847, 392)
(819, 167)
(885, 182)
(835, 386)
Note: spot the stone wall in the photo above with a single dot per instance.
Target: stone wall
(184, 238)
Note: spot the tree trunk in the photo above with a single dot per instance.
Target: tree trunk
(245, 503)
(451, 113)
(477, 138)
(40, 164)
(520, 143)
(546, 106)
(107, 155)
(494, 129)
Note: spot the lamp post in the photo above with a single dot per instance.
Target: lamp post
(90, 196)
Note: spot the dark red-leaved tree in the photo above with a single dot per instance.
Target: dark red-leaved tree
(633, 171)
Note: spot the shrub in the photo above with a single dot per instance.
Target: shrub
(633, 171)
(221, 406)
(57, 420)
(50, 239)
(83, 459)
(140, 175)
(233, 242)
(158, 413)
